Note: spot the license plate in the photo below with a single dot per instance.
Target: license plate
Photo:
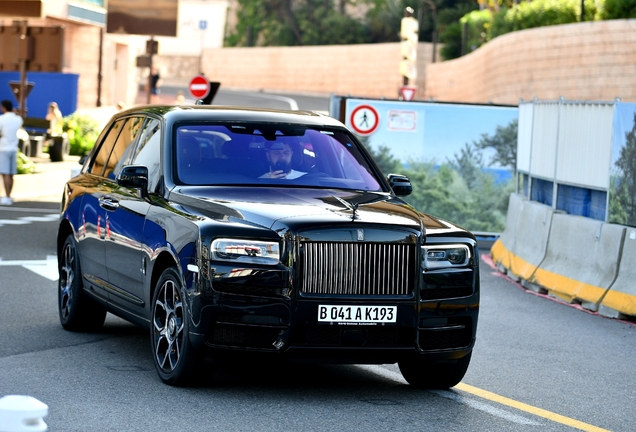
(357, 314)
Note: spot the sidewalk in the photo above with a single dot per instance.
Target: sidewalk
(47, 183)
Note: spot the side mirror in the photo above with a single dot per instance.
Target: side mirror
(400, 184)
(134, 176)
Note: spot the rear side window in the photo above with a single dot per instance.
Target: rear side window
(148, 152)
(124, 145)
(116, 147)
(101, 158)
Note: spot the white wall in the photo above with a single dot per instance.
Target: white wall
(190, 37)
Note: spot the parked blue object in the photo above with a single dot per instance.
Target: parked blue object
(48, 87)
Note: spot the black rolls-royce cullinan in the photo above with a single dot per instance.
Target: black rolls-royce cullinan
(243, 234)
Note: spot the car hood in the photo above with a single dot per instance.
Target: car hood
(296, 207)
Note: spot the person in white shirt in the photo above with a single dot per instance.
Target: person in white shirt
(279, 157)
(10, 123)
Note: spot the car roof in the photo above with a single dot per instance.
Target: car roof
(174, 113)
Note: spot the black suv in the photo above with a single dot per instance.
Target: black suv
(242, 234)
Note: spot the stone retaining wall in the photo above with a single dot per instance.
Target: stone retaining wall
(582, 61)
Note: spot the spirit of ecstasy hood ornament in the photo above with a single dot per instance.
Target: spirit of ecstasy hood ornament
(352, 207)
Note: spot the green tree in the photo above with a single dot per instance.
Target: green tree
(388, 163)
(504, 142)
(625, 188)
(618, 9)
(289, 23)
(468, 164)
(450, 29)
(457, 191)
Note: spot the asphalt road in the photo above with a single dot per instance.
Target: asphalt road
(252, 99)
(538, 365)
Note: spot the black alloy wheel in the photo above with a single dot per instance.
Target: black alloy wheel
(77, 311)
(423, 374)
(174, 357)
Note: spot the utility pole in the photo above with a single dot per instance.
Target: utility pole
(409, 30)
(25, 53)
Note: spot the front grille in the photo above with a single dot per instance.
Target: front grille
(357, 268)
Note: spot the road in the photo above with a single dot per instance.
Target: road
(538, 365)
(247, 99)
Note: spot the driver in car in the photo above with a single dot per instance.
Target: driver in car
(279, 156)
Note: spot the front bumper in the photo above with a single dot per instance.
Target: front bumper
(241, 326)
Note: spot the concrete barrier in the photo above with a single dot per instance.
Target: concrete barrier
(581, 260)
(620, 300)
(524, 241)
(503, 248)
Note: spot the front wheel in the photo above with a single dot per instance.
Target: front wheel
(77, 311)
(174, 357)
(423, 374)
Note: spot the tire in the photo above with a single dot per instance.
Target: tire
(77, 311)
(175, 359)
(422, 374)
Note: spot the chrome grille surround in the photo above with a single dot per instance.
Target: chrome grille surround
(354, 268)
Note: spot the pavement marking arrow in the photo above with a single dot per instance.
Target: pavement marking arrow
(46, 268)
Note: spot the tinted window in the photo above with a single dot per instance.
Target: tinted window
(253, 154)
(99, 162)
(148, 152)
(122, 150)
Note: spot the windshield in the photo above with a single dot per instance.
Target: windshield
(270, 154)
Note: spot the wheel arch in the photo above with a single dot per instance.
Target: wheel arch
(163, 261)
(63, 232)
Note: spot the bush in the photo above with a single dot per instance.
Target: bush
(82, 131)
(482, 26)
(476, 24)
(618, 9)
(539, 13)
(24, 164)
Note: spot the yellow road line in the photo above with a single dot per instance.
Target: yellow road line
(529, 408)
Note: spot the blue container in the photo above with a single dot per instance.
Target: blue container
(48, 87)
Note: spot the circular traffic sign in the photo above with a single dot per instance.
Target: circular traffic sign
(199, 87)
(364, 119)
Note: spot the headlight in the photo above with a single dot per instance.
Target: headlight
(444, 256)
(245, 251)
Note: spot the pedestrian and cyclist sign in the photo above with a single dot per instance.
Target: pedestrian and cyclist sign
(364, 119)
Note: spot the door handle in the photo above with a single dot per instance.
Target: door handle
(108, 203)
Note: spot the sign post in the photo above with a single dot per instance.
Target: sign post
(203, 24)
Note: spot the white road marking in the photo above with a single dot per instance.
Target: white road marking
(13, 222)
(29, 219)
(46, 268)
(473, 403)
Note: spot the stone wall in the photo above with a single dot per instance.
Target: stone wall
(582, 61)
(370, 70)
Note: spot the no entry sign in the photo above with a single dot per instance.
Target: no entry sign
(199, 87)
